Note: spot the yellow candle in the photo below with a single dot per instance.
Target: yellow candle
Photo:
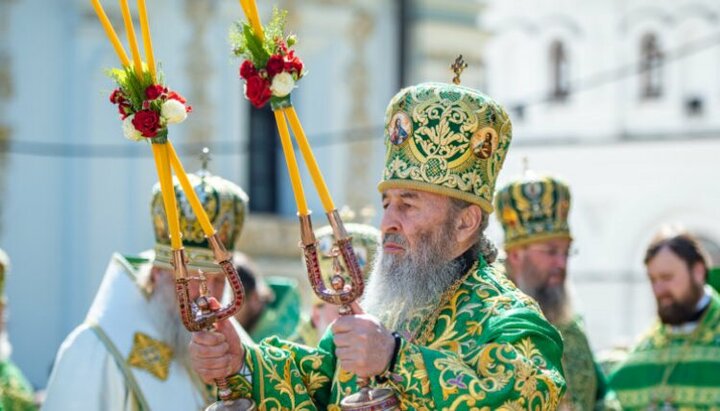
(251, 12)
(309, 159)
(130, 31)
(110, 32)
(168, 194)
(291, 162)
(191, 195)
(147, 40)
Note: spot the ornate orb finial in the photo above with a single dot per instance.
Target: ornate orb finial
(457, 67)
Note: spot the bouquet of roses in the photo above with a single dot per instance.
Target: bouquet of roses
(146, 108)
(270, 68)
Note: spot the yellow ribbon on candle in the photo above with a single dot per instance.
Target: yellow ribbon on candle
(309, 157)
(191, 195)
(291, 162)
(110, 32)
(147, 40)
(130, 31)
(168, 193)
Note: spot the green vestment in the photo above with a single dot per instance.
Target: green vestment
(486, 346)
(586, 384)
(280, 317)
(672, 369)
(15, 391)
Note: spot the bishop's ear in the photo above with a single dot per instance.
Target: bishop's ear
(468, 223)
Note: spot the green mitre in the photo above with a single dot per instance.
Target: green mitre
(445, 139)
(534, 208)
(225, 204)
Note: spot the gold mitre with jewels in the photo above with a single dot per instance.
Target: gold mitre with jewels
(225, 204)
(365, 242)
(445, 139)
(534, 208)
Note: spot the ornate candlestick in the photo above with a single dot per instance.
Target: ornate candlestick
(206, 317)
(367, 398)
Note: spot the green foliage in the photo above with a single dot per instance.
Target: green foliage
(133, 86)
(275, 29)
(256, 49)
(247, 45)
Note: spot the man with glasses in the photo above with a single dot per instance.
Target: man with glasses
(534, 214)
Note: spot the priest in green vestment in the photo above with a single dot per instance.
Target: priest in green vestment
(676, 364)
(440, 324)
(16, 394)
(533, 212)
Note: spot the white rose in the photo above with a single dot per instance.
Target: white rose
(173, 111)
(282, 84)
(129, 130)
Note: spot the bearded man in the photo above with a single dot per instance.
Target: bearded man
(443, 327)
(534, 212)
(130, 353)
(675, 365)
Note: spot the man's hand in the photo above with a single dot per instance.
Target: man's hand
(216, 354)
(362, 344)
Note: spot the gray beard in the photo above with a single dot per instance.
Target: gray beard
(555, 302)
(403, 290)
(165, 316)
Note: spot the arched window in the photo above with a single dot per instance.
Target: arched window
(651, 62)
(559, 71)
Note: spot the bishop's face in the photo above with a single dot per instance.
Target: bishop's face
(541, 265)
(412, 219)
(677, 287)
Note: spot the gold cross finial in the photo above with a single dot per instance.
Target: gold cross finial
(204, 159)
(457, 67)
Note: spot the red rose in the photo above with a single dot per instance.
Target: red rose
(281, 45)
(247, 69)
(175, 96)
(124, 109)
(294, 65)
(154, 91)
(257, 90)
(147, 122)
(275, 65)
(117, 96)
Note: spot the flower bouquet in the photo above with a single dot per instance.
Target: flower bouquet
(270, 67)
(146, 108)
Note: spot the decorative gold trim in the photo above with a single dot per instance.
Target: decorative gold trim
(683, 395)
(151, 355)
(668, 355)
(198, 258)
(536, 238)
(436, 189)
